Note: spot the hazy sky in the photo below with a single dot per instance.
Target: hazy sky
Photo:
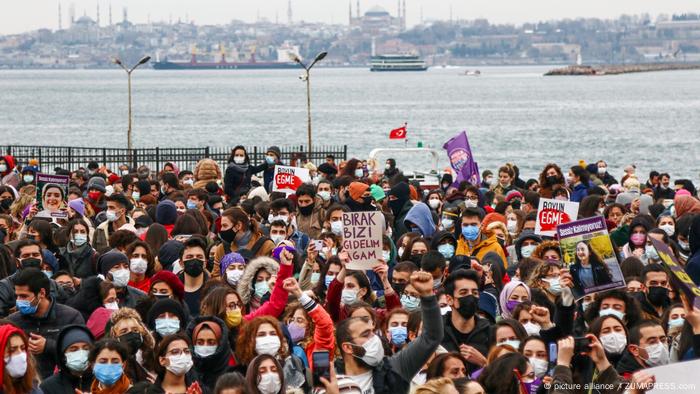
(23, 15)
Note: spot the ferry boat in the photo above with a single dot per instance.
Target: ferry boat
(397, 63)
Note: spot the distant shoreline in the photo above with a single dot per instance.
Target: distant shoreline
(618, 69)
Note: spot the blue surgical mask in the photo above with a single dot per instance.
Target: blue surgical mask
(80, 239)
(315, 276)
(447, 250)
(359, 173)
(611, 311)
(107, 374)
(270, 160)
(386, 255)
(526, 251)
(191, 204)
(25, 307)
(651, 253)
(49, 274)
(167, 326)
(554, 285)
(398, 335)
(470, 233)
(410, 303)
(676, 323)
(328, 280)
(261, 288)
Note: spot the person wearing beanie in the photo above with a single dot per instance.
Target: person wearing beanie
(165, 284)
(445, 182)
(232, 268)
(166, 214)
(114, 267)
(73, 344)
(169, 254)
(77, 205)
(526, 244)
(358, 197)
(163, 310)
(329, 172)
(377, 193)
(273, 158)
(118, 209)
(399, 203)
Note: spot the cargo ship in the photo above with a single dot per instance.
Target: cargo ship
(397, 63)
(193, 64)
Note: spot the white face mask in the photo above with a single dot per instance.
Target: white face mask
(232, 277)
(120, 277)
(180, 365)
(539, 366)
(138, 266)
(611, 311)
(111, 216)
(78, 360)
(359, 173)
(348, 296)
(526, 251)
(277, 238)
(512, 226)
(337, 227)
(658, 355)
(434, 203)
(669, 229)
(239, 159)
(470, 203)
(204, 351)
(112, 306)
(614, 343)
(269, 383)
(16, 365)
(325, 195)
(532, 328)
(267, 345)
(374, 351)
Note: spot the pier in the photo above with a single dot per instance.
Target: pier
(621, 69)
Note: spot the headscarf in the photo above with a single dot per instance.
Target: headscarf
(686, 204)
(508, 289)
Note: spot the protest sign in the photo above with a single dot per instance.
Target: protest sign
(589, 255)
(678, 274)
(362, 238)
(288, 179)
(675, 378)
(51, 192)
(460, 155)
(551, 213)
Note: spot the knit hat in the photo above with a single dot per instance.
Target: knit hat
(78, 205)
(487, 304)
(493, 217)
(74, 334)
(172, 280)
(97, 183)
(207, 324)
(377, 193)
(231, 258)
(357, 189)
(276, 150)
(166, 212)
(162, 306)
(513, 194)
(413, 192)
(169, 253)
(50, 259)
(109, 260)
(327, 169)
(97, 322)
(143, 221)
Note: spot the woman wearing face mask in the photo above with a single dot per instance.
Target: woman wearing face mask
(536, 351)
(415, 249)
(238, 232)
(141, 265)
(612, 333)
(636, 245)
(605, 374)
(19, 374)
(166, 317)
(238, 174)
(232, 267)
(309, 325)
(395, 329)
(212, 353)
(265, 376)
(73, 346)
(510, 373)
(329, 271)
(128, 329)
(673, 320)
(545, 278)
(263, 335)
(549, 177)
(509, 332)
(175, 373)
(109, 361)
(165, 284)
(513, 293)
(353, 168)
(79, 255)
(254, 286)
(434, 201)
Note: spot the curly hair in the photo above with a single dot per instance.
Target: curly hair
(289, 312)
(545, 246)
(543, 175)
(214, 303)
(148, 342)
(150, 259)
(245, 344)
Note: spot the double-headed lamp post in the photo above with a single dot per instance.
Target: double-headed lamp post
(118, 62)
(306, 78)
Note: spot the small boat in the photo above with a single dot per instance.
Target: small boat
(471, 73)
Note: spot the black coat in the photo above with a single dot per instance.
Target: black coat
(48, 326)
(65, 382)
(479, 338)
(601, 275)
(81, 262)
(210, 368)
(237, 179)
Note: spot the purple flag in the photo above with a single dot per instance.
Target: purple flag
(460, 154)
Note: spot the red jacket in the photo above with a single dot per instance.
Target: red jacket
(324, 334)
(337, 313)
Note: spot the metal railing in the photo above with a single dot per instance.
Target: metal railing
(71, 158)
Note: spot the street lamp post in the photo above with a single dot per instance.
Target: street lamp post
(118, 62)
(307, 78)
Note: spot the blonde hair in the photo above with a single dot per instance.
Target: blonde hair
(128, 313)
(434, 386)
(502, 227)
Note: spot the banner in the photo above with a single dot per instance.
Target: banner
(589, 255)
(288, 179)
(551, 213)
(362, 238)
(51, 195)
(460, 154)
(678, 274)
(675, 378)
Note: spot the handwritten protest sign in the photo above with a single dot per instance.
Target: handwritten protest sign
(588, 253)
(551, 213)
(675, 378)
(679, 276)
(362, 238)
(288, 179)
(51, 192)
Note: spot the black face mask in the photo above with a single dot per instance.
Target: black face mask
(194, 267)
(31, 236)
(467, 306)
(658, 296)
(307, 210)
(5, 204)
(227, 235)
(133, 340)
(398, 287)
(416, 258)
(396, 206)
(552, 179)
(638, 295)
(31, 262)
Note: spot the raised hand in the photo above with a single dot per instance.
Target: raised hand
(565, 351)
(292, 287)
(286, 257)
(422, 282)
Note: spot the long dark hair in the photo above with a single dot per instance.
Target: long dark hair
(593, 258)
(543, 176)
(245, 152)
(589, 206)
(499, 377)
(162, 348)
(320, 289)
(252, 376)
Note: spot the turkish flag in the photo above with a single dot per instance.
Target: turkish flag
(398, 134)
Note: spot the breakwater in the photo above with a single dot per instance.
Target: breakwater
(620, 69)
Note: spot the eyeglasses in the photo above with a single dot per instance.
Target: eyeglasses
(178, 352)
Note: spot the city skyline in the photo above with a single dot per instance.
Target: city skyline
(26, 15)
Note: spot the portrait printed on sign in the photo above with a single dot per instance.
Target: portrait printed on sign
(51, 192)
(589, 255)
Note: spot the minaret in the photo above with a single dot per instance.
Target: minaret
(71, 13)
(289, 12)
(403, 18)
(349, 12)
(110, 14)
(97, 20)
(358, 9)
(60, 22)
